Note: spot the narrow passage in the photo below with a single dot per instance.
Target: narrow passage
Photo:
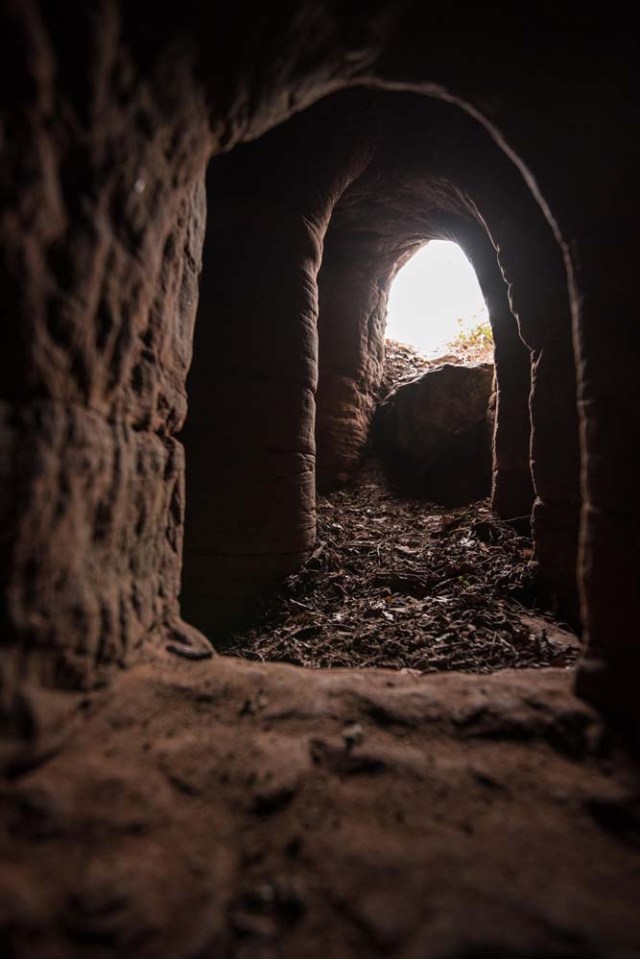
(404, 584)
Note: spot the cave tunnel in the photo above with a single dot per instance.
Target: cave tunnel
(290, 407)
(202, 212)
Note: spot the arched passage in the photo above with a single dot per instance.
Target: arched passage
(375, 210)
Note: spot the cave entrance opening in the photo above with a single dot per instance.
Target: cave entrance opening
(436, 304)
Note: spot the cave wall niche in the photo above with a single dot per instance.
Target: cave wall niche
(118, 113)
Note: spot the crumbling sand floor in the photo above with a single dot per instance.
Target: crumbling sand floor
(228, 809)
(400, 583)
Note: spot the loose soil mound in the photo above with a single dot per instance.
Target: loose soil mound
(402, 363)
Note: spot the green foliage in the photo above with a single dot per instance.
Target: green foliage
(475, 341)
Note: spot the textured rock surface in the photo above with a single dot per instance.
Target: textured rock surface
(407, 195)
(434, 435)
(436, 173)
(250, 514)
(219, 809)
(230, 810)
(108, 115)
(102, 220)
(353, 285)
(249, 437)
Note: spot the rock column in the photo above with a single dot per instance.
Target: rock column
(250, 432)
(101, 228)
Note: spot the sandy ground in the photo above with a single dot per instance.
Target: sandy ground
(229, 809)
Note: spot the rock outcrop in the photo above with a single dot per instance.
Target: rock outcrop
(434, 435)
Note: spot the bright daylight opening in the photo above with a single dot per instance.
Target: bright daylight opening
(435, 299)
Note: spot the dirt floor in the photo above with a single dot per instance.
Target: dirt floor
(400, 583)
(233, 810)
(228, 809)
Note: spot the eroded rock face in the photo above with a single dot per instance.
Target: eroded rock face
(109, 114)
(170, 825)
(232, 809)
(249, 437)
(434, 435)
(100, 239)
(435, 173)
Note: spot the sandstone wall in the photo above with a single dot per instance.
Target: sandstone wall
(109, 113)
(353, 289)
(101, 229)
(512, 491)
(436, 173)
(250, 432)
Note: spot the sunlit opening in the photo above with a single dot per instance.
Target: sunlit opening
(435, 297)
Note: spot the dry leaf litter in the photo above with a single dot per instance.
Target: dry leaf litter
(404, 584)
